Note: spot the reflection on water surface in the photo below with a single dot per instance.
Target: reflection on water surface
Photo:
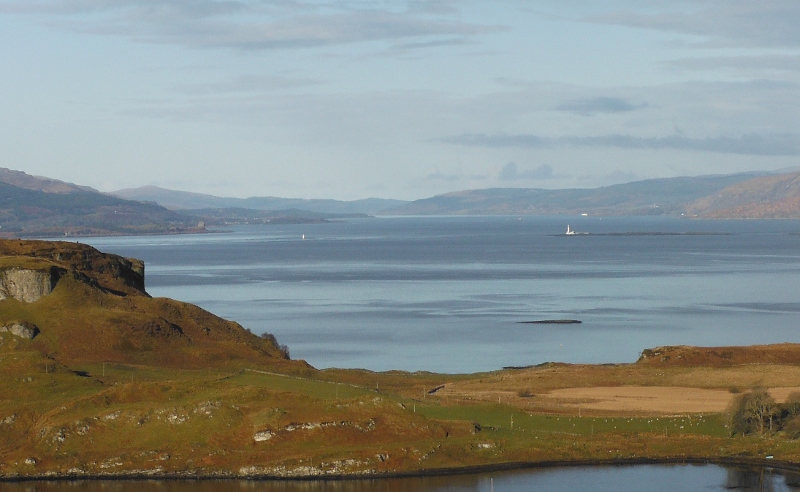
(651, 478)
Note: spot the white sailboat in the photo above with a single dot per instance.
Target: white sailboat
(570, 232)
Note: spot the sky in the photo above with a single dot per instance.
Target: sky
(403, 99)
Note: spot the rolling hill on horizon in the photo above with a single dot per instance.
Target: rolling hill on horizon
(650, 197)
(186, 200)
(765, 197)
(33, 206)
(742, 195)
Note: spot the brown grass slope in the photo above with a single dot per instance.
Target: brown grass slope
(687, 356)
(99, 311)
(768, 197)
(121, 384)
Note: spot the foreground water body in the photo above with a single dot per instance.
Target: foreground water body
(651, 478)
(447, 294)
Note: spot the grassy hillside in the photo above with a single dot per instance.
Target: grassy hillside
(668, 196)
(766, 197)
(98, 311)
(117, 383)
(73, 211)
(39, 183)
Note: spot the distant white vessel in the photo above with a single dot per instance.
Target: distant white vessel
(570, 232)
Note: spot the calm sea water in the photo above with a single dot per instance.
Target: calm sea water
(447, 294)
(656, 478)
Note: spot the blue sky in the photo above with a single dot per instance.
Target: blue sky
(397, 99)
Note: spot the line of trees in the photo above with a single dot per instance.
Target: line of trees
(757, 412)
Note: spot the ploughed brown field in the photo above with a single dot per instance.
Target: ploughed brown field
(669, 385)
(662, 400)
(626, 400)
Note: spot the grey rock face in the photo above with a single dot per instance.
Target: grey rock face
(26, 285)
(21, 329)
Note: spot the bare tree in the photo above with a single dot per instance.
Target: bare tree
(755, 411)
(792, 405)
(760, 407)
(738, 421)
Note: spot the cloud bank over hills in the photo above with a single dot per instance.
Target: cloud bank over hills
(402, 99)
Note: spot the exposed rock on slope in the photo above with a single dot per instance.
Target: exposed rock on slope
(27, 285)
(54, 258)
(20, 329)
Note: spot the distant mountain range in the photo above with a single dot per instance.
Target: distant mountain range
(35, 207)
(747, 195)
(32, 206)
(766, 197)
(184, 200)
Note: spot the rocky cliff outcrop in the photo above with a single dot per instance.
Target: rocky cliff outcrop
(92, 306)
(27, 285)
(110, 272)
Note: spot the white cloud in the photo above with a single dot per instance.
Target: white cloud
(750, 64)
(739, 23)
(770, 145)
(246, 84)
(616, 176)
(253, 25)
(340, 97)
(590, 106)
(511, 172)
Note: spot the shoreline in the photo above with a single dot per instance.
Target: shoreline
(784, 466)
(191, 396)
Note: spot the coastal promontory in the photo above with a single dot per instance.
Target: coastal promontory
(98, 378)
